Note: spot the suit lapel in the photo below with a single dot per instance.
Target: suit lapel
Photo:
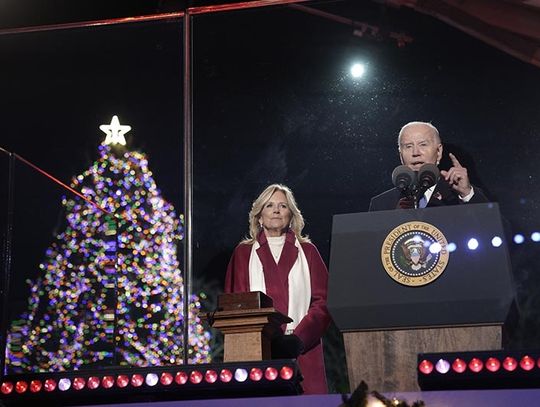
(443, 195)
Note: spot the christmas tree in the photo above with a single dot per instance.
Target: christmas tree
(110, 290)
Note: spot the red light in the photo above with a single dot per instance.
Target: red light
(425, 366)
(195, 377)
(476, 365)
(210, 376)
(271, 373)
(286, 373)
(6, 387)
(493, 364)
(459, 365)
(166, 378)
(50, 385)
(181, 378)
(225, 376)
(527, 363)
(79, 383)
(107, 382)
(137, 380)
(122, 381)
(21, 386)
(93, 382)
(510, 364)
(35, 386)
(255, 374)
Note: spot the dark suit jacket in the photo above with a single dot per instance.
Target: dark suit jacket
(443, 195)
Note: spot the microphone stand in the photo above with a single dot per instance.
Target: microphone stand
(415, 195)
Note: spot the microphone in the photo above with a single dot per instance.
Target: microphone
(403, 177)
(428, 175)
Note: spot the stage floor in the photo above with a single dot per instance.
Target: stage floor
(458, 398)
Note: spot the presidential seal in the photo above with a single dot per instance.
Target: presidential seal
(415, 253)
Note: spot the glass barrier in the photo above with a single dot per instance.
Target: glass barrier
(95, 131)
(313, 96)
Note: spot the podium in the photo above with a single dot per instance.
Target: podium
(248, 322)
(404, 282)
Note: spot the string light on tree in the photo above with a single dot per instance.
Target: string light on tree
(110, 290)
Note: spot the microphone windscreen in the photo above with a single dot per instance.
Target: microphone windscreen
(403, 177)
(428, 175)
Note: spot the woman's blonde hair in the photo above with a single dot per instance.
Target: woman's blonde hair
(297, 220)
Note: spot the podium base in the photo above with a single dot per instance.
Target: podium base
(386, 360)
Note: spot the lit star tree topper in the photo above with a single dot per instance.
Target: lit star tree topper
(110, 290)
(115, 132)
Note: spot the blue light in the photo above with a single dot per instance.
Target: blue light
(435, 248)
(451, 247)
(518, 239)
(472, 244)
(151, 379)
(240, 375)
(496, 241)
(535, 236)
(442, 366)
(64, 384)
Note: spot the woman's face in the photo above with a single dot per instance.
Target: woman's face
(275, 215)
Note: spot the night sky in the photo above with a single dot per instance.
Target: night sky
(273, 101)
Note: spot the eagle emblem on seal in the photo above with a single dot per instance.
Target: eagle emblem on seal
(416, 253)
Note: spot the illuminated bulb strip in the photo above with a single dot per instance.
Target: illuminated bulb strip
(527, 363)
(425, 366)
(255, 374)
(442, 366)
(510, 364)
(122, 381)
(195, 377)
(271, 373)
(21, 386)
(6, 387)
(210, 376)
(240, 375)
(225, 375)
(493, 364)
(151, 379)
(476, 364)
(286, 373)
(166, 379)
(36, 386)
(459, 365)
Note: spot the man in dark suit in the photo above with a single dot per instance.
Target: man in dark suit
(419, 143)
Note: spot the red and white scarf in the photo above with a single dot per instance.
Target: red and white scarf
(299, 284)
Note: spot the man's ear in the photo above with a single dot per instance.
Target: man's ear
(439, 153)
(400, 156)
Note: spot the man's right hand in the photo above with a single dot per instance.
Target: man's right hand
(407, 202)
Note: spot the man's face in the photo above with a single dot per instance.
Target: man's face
(418, 146)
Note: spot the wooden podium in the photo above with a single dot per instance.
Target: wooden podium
(386, 360)
(248, 322)
(387, 323)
